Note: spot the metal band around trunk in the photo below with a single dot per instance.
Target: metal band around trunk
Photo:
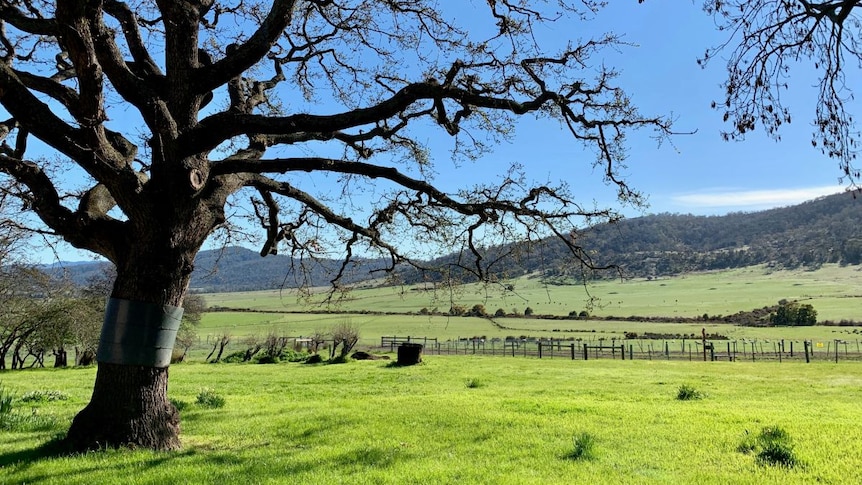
(138, 333)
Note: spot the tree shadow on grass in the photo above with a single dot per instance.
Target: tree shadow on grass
(53, 448)
(57, 447)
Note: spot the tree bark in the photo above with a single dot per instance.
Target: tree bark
(129, 407)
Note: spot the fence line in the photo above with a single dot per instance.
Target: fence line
(641, 349)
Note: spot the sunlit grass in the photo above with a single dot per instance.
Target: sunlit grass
(365, 422)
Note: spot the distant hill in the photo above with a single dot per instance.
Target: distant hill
(240, 269)
(824, 230)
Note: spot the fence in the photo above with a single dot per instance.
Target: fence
(642, 349)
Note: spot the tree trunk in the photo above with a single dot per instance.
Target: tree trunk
(60, 357)
(129, 405)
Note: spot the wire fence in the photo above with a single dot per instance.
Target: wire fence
(641, 349)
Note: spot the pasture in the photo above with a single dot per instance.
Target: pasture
(834, 291)
(467, 420)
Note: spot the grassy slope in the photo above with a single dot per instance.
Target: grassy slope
(364, 422)
(835, 292)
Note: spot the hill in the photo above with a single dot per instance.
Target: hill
(239, 269)
(824, 230)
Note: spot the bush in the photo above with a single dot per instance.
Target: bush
(5, 402)
(583, 447)
(478, 310)
(500, 313)
(688, 393)
(234, 357)
(44, 396)
(473, 383)
(267, 359)
(10, 420)
(180, 405)
(772, 446)
(208, 398)
(528, 311)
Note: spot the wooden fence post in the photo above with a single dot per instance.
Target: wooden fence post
(573, 351)
(806, 343)
(586, 354)
(540, 350)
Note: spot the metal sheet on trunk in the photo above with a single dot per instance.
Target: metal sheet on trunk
(138, 333)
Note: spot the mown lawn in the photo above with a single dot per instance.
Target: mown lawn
(468, 420)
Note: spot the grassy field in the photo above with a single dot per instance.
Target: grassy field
(834, 291)
(468, 420)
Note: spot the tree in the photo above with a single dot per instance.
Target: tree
(175, 112)
(791, 313)
(187, 335)
(767, 39)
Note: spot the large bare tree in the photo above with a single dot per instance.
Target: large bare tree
(769, 39)
(137, 129)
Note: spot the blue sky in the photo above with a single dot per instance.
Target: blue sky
(697, 173)
(700, 173)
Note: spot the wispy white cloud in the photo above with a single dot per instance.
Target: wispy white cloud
(753, 199)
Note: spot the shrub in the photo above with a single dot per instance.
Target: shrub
(500, 313)
(457, 310)
(528, 311)
(267, 359)
(234, 357)
(10, 420)
(583, 447)
(44, 396)
(688, 393)
(208, 398)
(478, 310)
(180, 405)
(772, 446)
(473, 383)
(5, 402)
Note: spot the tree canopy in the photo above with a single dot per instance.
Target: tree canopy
(767, 40)
(174, 108)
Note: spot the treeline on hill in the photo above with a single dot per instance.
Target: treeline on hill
(825, 230)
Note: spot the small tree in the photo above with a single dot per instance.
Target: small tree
(187, 335)
(344, 335)
(791, 313)
(478, 310)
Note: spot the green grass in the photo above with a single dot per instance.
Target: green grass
(366, 422)
(835, 291)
